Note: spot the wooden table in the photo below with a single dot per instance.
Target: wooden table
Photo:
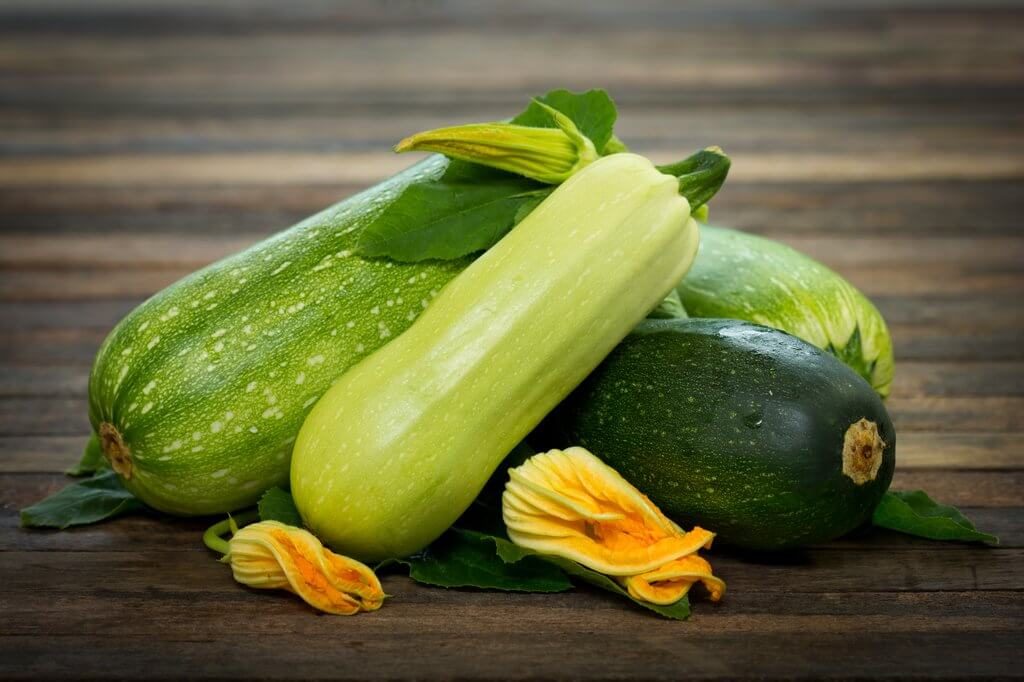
(142, 140)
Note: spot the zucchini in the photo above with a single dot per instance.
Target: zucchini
(745, 277)
(197, 395)
(402, 443)
(745, 430)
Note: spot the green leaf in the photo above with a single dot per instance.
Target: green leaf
(465, 558)
(592, 111)
(92, 459)
(914, 513)
(461, 172)
(462, 558)
(95, 499)
(513, 553)
(445, 220)
(531, 202)
(277, 505)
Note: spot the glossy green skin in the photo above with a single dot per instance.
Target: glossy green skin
(209, 380)
(734, 427)
(399, 447)
(746, 277)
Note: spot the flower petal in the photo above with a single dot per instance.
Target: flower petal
(669, 583)
(272, 555)
(571, 504)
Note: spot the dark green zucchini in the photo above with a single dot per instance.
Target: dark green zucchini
(741, 429)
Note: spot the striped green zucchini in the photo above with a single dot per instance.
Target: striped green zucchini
(746, 277)
(198, 394)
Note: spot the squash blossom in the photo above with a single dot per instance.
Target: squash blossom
(570, 504)
(549, 155)
(272, 555)
(670, 583)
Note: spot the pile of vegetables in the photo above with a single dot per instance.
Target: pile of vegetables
(376, 380)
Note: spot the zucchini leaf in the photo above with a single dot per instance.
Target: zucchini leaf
(513, 553)
(466, 558)
(462, 558)
(532, 202)
(914, 513)
(446, 220)
(93, 499)
(277, 505)
(592, 111)
(470, 207)
(92, 459)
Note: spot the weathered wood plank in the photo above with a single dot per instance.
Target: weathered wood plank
(965, 488)
(158, 533)
(77, 283)
(976, 379)
(958, 414)
(991, 451)
(40, 454)
(77, 346)
(248, 612)
(925, 209)
(100, 316)
(21, 381)
(549, 648)
(937, 450)
(31, 413)
(367, 168)
(108, 17)
(646, 129)
(147, 250)
(932, 342)
(810, 571)
(914, 379)
(53, 347)
(978, 489)
(965, 328)
(43, 417)
(917, 315)
(726, 57)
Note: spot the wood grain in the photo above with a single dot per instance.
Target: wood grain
(143, 140)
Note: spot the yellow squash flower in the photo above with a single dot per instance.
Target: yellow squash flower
(669, 583)
(570, 504)
(550, 155)
(272, 555)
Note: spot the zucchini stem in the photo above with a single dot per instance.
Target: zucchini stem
(213, 537)
(700, 175)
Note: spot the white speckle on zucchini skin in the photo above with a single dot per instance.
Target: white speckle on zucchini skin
(208, 357)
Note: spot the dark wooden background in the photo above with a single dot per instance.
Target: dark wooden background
(141, 140)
